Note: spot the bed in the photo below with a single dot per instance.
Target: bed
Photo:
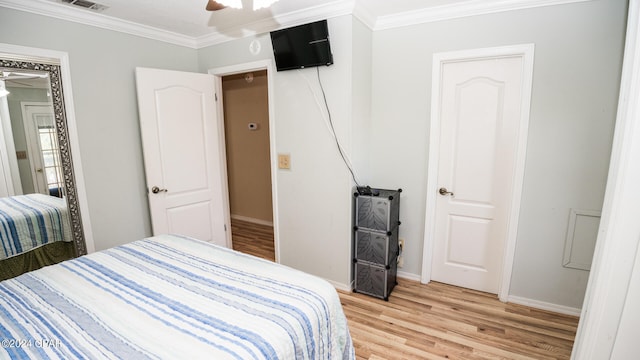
(34, 232)
(171, 297)
(30, 221)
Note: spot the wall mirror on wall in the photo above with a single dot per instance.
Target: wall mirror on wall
(39, 202)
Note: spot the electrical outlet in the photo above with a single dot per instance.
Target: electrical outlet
(284, 161)
(401, 245)
(400, 261)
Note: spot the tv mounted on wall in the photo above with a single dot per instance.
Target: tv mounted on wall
(302, 46)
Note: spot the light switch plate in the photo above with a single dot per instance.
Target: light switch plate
(284, 161)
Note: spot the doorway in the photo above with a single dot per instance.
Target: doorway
(43, 154)
(246, 127)
(246, 108)
(479, 122)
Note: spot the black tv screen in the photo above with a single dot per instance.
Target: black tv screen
(302, 46)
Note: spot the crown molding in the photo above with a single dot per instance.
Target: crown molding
(460, 10)
(357, 8)
(51, 9)
(364, 14)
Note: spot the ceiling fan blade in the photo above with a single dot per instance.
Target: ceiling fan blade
(11, 75)
(214, 6)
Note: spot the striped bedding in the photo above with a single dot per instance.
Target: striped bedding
(30, 221)
(170, 297)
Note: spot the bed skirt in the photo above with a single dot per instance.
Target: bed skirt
(48, 254)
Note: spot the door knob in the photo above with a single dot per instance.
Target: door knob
(156, 190)
(444, 191)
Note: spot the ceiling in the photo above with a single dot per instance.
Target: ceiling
(186, 22)
(188, 17)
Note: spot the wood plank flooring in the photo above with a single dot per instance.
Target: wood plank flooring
(437, 321)
(254, 239)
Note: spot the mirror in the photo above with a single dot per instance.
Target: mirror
(32, 102)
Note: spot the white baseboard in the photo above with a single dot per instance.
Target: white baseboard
(252, 220)
(340, 286)
(349, 287)
(544, 305)
(561, 309)
(409, 276)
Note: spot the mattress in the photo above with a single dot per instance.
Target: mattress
(30, 221)
(171, 297)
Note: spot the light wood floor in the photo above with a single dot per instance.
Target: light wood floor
(437, 321)
(253, 239)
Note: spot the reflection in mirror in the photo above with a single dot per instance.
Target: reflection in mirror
(30, 111)
(40, 222)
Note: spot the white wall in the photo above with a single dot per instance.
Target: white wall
(314, 196)
(102, 74)
(361, 101)
(575, 87)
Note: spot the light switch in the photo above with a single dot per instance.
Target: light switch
(284, 161)
(21, 155)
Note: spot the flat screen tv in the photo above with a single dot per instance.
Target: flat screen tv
(302, 46)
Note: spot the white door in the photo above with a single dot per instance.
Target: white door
(480, 102)
(40, 130)
(9, 180)
(182, 153)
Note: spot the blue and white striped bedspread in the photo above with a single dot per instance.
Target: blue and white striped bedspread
(30, 221)
(169, 297)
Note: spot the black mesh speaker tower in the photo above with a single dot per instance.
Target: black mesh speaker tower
(375, 240)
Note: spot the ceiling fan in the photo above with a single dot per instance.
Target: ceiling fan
(16, 77)
(213, 5)
(12, 75)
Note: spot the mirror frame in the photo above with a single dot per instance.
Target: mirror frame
(62, 132)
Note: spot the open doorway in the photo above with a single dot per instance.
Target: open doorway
(245, 108)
